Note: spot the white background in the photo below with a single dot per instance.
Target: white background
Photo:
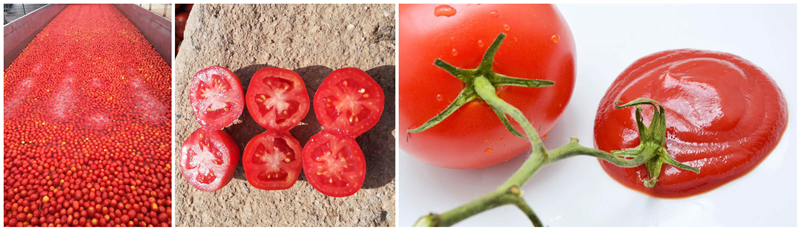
(577, 192)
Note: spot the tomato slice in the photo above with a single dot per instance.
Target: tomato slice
(334, 165)
(209, 159)
(277, 98)
(349, 102)
(217, 97)
(272, 160)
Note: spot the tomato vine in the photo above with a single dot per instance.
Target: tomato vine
(480, 83)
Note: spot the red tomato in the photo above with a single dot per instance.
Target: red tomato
(334, 165)
(724, 116)
(272, 160)
(539, 47)
(349, 102)
(209, 159)
(277, 98)
(217, 97)
(181, 17)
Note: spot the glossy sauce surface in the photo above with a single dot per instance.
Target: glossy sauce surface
(724, 116)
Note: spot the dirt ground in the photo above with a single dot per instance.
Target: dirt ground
(312, 40)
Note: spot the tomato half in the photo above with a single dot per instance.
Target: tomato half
(272, 160)
(349, 102)
(217, 97)
(539, 45)
(277, 98)
(209, 159)
(334, 165)
(724, 116)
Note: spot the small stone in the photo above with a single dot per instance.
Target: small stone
(287, 41)
(350, 27)
(245, 188)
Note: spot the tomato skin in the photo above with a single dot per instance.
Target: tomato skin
(345, 155)
(224, 88)
(269, 83)
(724, 116)
(539, 45)
(225, 159)
(264, 143)
(348, 85)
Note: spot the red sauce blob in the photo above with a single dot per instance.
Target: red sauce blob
(724, 116)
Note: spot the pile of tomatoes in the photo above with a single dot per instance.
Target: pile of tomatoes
(348, 103)
(87, 126)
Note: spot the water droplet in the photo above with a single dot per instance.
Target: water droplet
(501, 138)
(485, 139)
(554, 38)
(506, 27)
(455, 52)
(493, 13)
(488, 150)
(480, 43)
(439, 97)
(544, 137)
(444, 10)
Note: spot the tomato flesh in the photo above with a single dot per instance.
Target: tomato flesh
(272, 160)
(724, 116)
(216, 97)
(539, 47)
(208, 159)
(277, 98)
(334, 165)
(349, 102)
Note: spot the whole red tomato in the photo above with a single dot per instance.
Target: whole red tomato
(724, 115)
(539, 45)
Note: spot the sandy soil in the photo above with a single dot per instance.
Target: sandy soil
(312, 40)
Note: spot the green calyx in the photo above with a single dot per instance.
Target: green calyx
(652, 141)
(469, 94)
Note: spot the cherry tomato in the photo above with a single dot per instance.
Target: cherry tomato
(334, 165)
(277, 98)
(724, 116)
(209, 159)
(539, 45)
(272, 160)
(217, 97)
(349, 102)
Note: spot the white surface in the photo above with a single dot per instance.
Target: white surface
(577, 192)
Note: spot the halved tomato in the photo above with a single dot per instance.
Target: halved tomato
(349, 102)
(277, 98)
(334, 165)
(272, 160)
(217, 97)
(209, 159)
